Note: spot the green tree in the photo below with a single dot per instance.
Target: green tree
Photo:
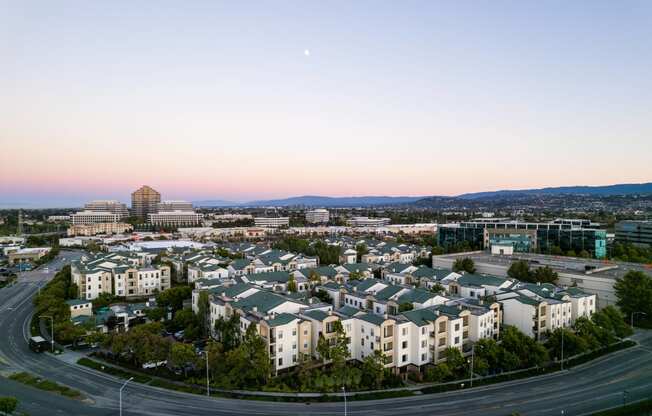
(292, 285)
(404, 307)
(8, 405)
(155, 314)
(464, 264)
(573, 344)
(545, 275)
(361, 249)
(519, 270)
(373, 369)
(183, 356)
(203, 309)
(228, 331)
(174, 297)
(634, 294)
(440, 372)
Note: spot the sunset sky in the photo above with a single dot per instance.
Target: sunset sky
(219, 100)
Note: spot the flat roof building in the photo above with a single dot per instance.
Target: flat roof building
(634, 232)
(368, 222)
(317, 216)
(93, 217)
(272, 222)
(166, 206)
(175, 218)
(111, 206)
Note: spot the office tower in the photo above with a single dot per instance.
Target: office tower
(144, 201)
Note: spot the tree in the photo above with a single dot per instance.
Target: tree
(203, 309)
(228, 331)
(437, 288)
(373, 369)
(292, 285)
(155, 314)
(545, 275)
(455, 361)
(464, 264)
(355, 276)
(183, 356)
(8, 404)
(573, 343)
(361, 249)
(404, 307)
(634, 294)
(519, 270)
(248, 365)
(174, 297)
(323, 296)
(521, 351)
(440, 372)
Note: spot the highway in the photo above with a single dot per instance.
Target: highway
(582, 390)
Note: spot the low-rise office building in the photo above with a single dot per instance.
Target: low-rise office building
(317, 216)
(272, 222)
(114, 207)
(93, 217)
(634, 232)
(368, 222)
(175, 218)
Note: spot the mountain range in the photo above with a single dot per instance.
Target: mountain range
(366, 201)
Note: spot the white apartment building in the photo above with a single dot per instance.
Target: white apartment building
(58, 218)
(272, 222)
(175, 218)
(93, 217)
(98, 228)
(112, 206)
(317, 216)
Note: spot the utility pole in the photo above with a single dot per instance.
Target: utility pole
(20, 222)
(51, 327)
(472, 356)
(344, 391)
(208, 385)
(562, 349)
(122, 388)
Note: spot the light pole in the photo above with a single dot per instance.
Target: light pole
(122, 388)
(344, 391)
(472, 356)
(52, 329)
(631, 318)
(208, 385)
(562, 349)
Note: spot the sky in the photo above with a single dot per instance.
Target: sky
(220, 100)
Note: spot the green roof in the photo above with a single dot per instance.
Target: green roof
(416, 296)
(348, 310)
(372, 318)
(420, 317)
(365, 284)
(281, 319)
(280, 277)
(469, 279)
(388, 292)
(263, 300)
(317, 314)
(75, 302)
(357, 267)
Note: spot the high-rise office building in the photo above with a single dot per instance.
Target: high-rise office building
(144, 201)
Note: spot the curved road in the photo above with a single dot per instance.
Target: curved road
(582, 390)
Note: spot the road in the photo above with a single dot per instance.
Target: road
(582, 390)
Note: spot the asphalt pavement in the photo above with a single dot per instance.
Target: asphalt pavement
(579, 391)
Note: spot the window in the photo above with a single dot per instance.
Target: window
(280, 348)
(362, 341)
(442, 327)
(404, 358)
(423, 331)
(280, 362)
(294, 332)
(423, 357)
(457, 340)
(280, 334)
(457, 327)
(294, 346)
(404, 331)
(404, 344)
(442, 342)
(423, 344)
(294, 358)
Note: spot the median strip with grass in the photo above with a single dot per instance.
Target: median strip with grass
(117, 372)
(47, 385)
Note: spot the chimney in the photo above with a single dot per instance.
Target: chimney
(330, 312)
(385, 315)
(255, 309)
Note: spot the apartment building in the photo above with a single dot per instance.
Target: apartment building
(88, 230)
(317, 216)
(123, 275)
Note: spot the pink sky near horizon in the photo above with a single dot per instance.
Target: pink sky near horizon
(219, 101)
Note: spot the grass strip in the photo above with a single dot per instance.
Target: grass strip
(47, 385)
(117, 372)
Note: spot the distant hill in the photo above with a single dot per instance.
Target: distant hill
(215, 203)
(618, 189)
(327, 201)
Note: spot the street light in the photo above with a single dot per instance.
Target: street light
(631, 318)
(52, 329)
(208, 385)
(344, 391)
(562, 349)
(122, 388)
(472, 355)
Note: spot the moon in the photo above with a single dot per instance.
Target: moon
(306, 52)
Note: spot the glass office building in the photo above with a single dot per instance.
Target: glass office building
(634, 232)
(542, 237)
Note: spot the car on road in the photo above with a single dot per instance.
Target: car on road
(38, 344)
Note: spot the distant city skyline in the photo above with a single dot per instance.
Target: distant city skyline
(244, 102)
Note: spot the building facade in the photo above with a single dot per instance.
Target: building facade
(144, 201)
(166, 206)
(93, 217)
(634, 232)
(272, 222)
(175, 218)
(112, 206)
(317, 216)
(88, 230)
